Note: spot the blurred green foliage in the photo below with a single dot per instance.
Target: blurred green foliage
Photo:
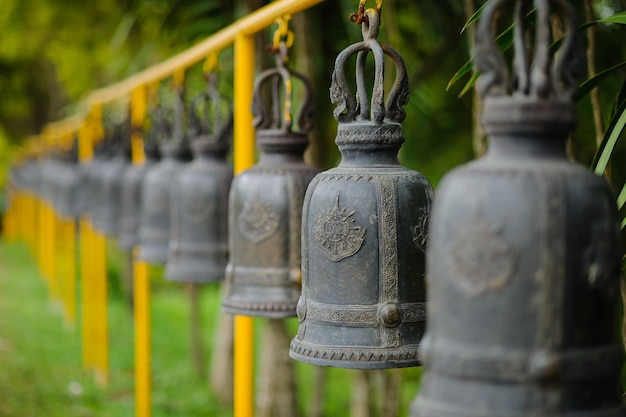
(53, 52)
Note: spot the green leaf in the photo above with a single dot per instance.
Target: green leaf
(591, 83)
(470, 83)
(616, 18)
(621, 199)
(474, 17)
(612, 134)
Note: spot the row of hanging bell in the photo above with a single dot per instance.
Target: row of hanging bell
(363, 301)
(265, 204)
(525, 253)
(198, 241)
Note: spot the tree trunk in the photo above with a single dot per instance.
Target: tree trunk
(277, 384)
(195, 328)
(317, 392)
(361, 401)
(221, 373)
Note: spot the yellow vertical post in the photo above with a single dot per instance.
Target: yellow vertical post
(141, 277)
(143, 378)
(100, 292)
(85, 153)
(100, 288)
(243, 158)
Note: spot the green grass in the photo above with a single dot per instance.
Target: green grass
(40, 357)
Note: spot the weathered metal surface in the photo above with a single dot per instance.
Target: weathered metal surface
(363, 301)
(198, 246)
(524, 255)
(265, 208)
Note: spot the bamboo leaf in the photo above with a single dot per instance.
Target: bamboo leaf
(621, 199)
(605, 150)
(588, 85)
(616, 18)
(473, 18)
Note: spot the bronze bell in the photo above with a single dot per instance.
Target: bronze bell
(106, 214)
(154, 223)
(131, 192)
(525, 252)
(198, 247)
(364, 228)
(265, 207)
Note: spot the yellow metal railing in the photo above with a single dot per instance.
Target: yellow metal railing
(88, 128)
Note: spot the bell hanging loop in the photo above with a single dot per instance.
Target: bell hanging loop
(362, 14)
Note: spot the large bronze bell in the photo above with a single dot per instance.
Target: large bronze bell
(132, 187)
(198, 247)
(106, 216)
(363, 301)
(154, 223)
(525, 252)
(265, 208)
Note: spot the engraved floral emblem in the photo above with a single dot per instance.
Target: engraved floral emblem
(257, 221)
(337, 234)
(420, 232)
(479, 259)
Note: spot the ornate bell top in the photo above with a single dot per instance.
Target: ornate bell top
(210, 131)
(537, 96)
(361, 121)
(275, 131)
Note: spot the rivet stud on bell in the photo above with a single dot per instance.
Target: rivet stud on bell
(364, 229)
(524, 258)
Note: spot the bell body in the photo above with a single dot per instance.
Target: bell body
(363, 237)
(130, 203)
(154, 224)
(198, 246)
(523, 283)
(265, 214)
(106, 214)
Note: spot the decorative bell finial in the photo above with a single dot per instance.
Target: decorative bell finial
(363, 302)
(198, 247)
(265, 209)
(525, 253)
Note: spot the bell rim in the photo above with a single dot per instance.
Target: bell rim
(387, 362)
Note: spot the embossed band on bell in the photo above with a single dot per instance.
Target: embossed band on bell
(364, 229)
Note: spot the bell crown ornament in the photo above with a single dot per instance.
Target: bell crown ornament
(364, 228)
(536, 92)
(273, 117)
(525, 253)
(265, 207)
(198, 246)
